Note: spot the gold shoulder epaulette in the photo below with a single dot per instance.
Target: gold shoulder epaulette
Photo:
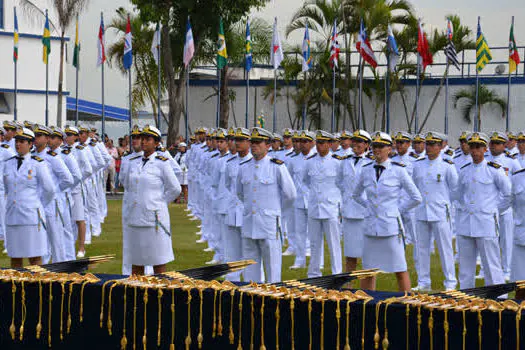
(399, 164)
(52, 154)
(448, 161)
(494, 165)
(449, 152)
(66, 151)
(80, 147)
(5, 145)
(162, 158)
(338, 157)
(314, 155)
(277, 161)
(37, 158)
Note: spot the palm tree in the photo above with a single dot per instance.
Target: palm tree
(462, 41)
(485, 96)
(66, 11)
(144, 89)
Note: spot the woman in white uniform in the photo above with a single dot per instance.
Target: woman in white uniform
(28, 188)
(152, 185)
(384, 181)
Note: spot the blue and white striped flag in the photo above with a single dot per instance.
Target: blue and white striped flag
(393, 51)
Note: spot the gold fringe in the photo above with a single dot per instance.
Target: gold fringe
(134, 317)
(214, 331)
(200, 338)
(40, 302)
(172, 345)
(431, 328)
(124, 339)
(24, 311)
(50, 304)
(12, 328)
(419, 321)
(347, 340)
(322, 324)
(145, 335)
(252, 329)
(407, 319)
(81, 313)
(446, 327)
(377, 337)
(102, 303)
(262, 347)
(239, 345)
(231, 336)
(62, 285)
(110, 322)
(363, 325)
(310, 323)
(292, 307)
(159, 306)
(385, 342)
(187, 341)
(277, 323)
(219, 327)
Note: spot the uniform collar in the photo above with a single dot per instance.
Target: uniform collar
(26, 156)
(387, 163)
(153, 155)
(246, 157)
(483, 163)
(263, 160)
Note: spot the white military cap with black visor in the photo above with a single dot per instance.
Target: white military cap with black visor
(42, 130)
(151, 131)
(498, 137)
(361, 135)
(25, 134)
(380, 138)
(324, 136)
(242, 134)
(71, 130)
(478, 138)
(403, 136)
(260, 134)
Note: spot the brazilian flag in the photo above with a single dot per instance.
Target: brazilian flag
(222, 55)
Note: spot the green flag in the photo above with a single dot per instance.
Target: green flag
(76, 51)
(222, 55)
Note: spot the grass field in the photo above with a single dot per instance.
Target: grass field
(189, 254)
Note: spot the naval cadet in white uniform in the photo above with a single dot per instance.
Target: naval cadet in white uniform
(296, 168)
(518, 249)
(483, 191)
(28, 188)
(55, 142)
(437, 180)
(6, 152)
(510, 165)
(63, 180)
(9, 134)
(264, 186)
(384, 181)
(320, 176)
(354, 214)
(152, 185)
(233, 234)
(79, 193)
(521, 148)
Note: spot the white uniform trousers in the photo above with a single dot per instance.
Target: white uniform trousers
(289, 227)
(207, 221)
(55, 235)
(301, 235)
(441, 232)
(267, 251)
(92, 209)
(506, 238)
(232, 243)
(518, 261)
(409, 224)
(102, 201)
(2, 215)
(353, 232)
(317, 230)
(69, 229)
(488, 248)
(219, 227)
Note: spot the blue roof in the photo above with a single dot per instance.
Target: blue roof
(94, 108)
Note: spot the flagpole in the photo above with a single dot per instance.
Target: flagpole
(102, 72)
(507, 120)
(446, 104)
(360, 92)
(47, 91)
(218, 97)
(477, 94)
(274, 98)
(304, 104)
(247, 98)
(130, 104)
(416, 117)
(332, 129)
(16, 90)
(158, 84)
(76, 94)
(387, 95)
(186, 115)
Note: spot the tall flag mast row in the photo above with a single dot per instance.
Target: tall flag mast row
(363, 45)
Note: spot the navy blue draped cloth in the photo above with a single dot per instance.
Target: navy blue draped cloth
(217, 309)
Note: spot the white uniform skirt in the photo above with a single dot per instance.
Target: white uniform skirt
(26, 241)
(518, 262)
(384, 253)
(353, 232)
(147, 246)
(77, 209)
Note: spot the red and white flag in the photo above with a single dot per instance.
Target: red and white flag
(277, 55)
(334, 47)
(364, 47)
(422, 47)
(101, 58)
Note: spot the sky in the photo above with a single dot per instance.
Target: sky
(495, 16)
